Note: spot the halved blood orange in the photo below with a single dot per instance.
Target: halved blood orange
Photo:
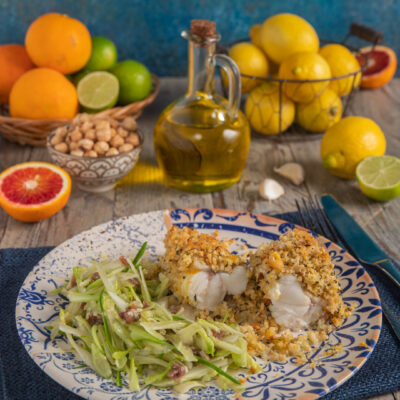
(381, 66)
(33, 191)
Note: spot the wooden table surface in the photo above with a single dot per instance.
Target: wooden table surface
(85, 210)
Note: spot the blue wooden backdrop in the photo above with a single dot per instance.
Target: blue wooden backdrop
(149, 30)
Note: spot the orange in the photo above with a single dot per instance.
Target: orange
(43, 93)
(381, 66)
(14, 61)
(59, 42)
(33, 191)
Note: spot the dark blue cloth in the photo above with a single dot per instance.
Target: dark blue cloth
(21, 379)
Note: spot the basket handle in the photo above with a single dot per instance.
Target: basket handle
(366, 33)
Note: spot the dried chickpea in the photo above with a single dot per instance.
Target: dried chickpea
(56, 139)
(112, 152)
(61, 131)
(117, 141)
(129, 123)
(104, 134)
(114, 123)
(86, 144)
(73, 146)
(86, 126)
(61, 147)
(122, 132)
(102, 124)
(77, 152)
(76, 135)
(133, 139)
(125, 147)
(90, 134)
(113, 132)
(90, 153)
(101, 147)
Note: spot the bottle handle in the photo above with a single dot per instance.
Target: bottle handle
(235, 84)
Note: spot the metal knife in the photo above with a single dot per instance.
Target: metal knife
(357, 240)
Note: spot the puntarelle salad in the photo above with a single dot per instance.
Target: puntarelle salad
(201, 312)
(118, 322)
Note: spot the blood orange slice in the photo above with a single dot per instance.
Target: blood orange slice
(33, 191)
(381, 66)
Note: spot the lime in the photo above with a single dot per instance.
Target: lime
(134, 81)
(98, 91)
(379, 177)
(76, 78)
(104, 54)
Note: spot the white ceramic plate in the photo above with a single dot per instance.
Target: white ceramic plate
(36, 308)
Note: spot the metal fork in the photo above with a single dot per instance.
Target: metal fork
(313, 217)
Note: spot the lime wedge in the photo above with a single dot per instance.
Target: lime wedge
(98, 91)
(379, 177)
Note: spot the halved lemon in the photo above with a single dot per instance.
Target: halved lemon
(33, 191)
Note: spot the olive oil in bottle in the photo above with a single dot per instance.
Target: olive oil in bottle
(202, 139)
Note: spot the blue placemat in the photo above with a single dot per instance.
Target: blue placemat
(21, 379)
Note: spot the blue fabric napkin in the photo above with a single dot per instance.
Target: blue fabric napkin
(21, 379)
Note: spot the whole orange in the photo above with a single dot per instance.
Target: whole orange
(59, 42)
(14, 61)
(43, 93)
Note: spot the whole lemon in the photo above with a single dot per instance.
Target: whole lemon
(43, 93)
(59, 42)
(285, 34)
(341, 62)
(262, 109)
(251, 61)
(348, 142)
(321, 113)
(255, 35)
(304, 66)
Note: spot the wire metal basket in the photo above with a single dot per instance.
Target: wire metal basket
(295, 131)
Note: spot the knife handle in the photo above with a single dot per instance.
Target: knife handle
(391, 271)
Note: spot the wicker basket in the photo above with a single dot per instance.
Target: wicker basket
(34, 132)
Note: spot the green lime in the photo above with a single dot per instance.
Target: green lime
(104, 54)
(134, 81)
(76, 78)
(379, 177)
(98, 91)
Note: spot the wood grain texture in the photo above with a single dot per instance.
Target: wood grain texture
(84, 210)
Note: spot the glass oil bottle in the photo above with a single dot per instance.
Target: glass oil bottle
(202, 139)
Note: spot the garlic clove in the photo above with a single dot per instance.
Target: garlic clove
(292, 171)
(270, 189)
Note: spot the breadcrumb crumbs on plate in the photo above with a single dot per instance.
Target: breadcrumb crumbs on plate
(296, 252)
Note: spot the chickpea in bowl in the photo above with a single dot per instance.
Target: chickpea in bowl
(96, 151)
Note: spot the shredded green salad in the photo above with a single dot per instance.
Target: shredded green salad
(119, 324)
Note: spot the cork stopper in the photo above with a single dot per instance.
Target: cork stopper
(202, 28)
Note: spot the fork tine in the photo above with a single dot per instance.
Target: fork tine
(326, 221)
(311, 225)
(300, 211)
(317, 217)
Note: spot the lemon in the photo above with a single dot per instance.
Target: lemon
(341, 62)
(379, 177)
(251, 61)
(255, 35)
(348, 142)
(262, 109)
(321, 113)
(285, 34)
(304, 66)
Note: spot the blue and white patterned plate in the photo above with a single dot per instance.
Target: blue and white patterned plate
(36, 308)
